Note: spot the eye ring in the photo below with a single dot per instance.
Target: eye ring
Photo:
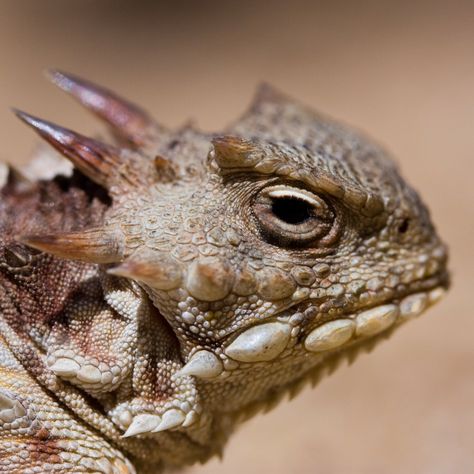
(289, 216)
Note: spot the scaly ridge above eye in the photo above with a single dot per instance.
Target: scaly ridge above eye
(234, 154)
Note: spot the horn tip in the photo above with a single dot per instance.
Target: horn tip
(122, 270)
(36, 241)
(44, 128)
(63, 80)
(23, 116)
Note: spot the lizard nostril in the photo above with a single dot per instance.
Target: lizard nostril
(403, 227)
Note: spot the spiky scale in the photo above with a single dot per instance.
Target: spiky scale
(157, 270)
(235, 152)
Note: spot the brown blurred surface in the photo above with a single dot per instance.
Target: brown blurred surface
(403, 71)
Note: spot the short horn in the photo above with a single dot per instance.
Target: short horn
(155, 269)
(235, 152)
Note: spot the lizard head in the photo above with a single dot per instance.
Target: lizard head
(270, 250)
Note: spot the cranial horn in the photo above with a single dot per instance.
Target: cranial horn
(100, 162)
(126, 119)
(91, 245)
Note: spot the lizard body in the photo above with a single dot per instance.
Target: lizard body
(178, 282)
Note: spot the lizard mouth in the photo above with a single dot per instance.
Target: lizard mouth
(301, 326)
(328, 332)
(335, 333)
(334, 340)
(322, 322)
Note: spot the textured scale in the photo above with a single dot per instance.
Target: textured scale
(178, 282)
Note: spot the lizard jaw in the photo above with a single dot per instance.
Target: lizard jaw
(337, 333)
(267, 341)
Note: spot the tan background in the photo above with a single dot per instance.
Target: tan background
(402, 70)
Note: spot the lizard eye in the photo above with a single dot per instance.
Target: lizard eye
(290, 216)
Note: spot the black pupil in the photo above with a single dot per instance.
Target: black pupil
(291, 211)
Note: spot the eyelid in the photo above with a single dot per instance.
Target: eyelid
(279, 192)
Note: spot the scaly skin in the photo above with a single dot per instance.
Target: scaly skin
(179, 282)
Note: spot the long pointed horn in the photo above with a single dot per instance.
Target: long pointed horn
(91, 245)
(100, 162)
(126, 119)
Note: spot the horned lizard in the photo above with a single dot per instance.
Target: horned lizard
(175, 283)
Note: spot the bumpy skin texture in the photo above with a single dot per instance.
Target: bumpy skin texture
(179, 282)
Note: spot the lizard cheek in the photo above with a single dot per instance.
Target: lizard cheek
(274, 284)
(210, 279)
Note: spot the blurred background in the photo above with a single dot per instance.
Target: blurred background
(401, 70)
